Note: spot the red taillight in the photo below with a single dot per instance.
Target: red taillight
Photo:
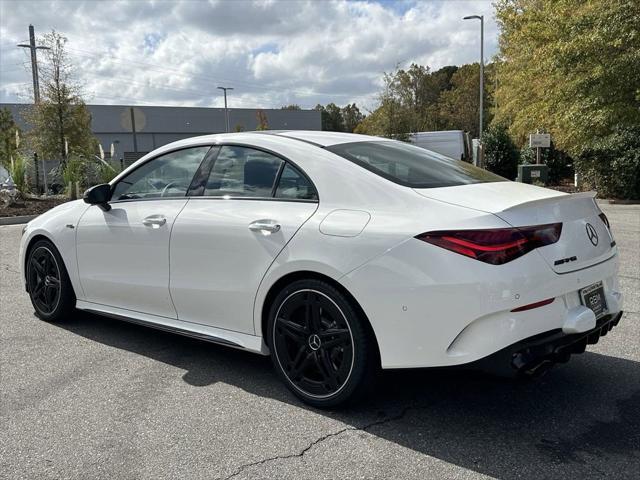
(497, 245)
(531, 306)
(604, 218)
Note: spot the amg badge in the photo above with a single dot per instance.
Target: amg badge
(565, 260)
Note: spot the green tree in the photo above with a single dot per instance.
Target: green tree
(332, 118)
(375, 123)
(569, 67)
(8, 147)
(61, 123)
(320, 108)
(351, 117)
(293, 106)
(501, 155)
(459, 105)
(417, 99)
(413, 92)
(414, 95)
(336, 119)
(442, 78)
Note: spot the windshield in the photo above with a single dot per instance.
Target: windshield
(412, 166)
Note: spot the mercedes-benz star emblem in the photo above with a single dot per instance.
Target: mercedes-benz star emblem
(592, 234)
(314, 342)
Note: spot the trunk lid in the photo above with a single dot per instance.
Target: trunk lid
(585, 239)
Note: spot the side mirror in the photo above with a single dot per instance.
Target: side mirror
(99, 195)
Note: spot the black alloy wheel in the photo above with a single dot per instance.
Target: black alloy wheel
(319, 344)
(48, 283)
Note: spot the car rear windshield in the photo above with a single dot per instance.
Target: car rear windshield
(412, 166)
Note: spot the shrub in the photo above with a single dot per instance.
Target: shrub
(74, 171)
(18, 172)
(500, 153)
(106, 172)
(612, 165)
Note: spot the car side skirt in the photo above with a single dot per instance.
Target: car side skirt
(206, 333)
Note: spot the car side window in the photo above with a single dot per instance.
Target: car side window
(243, 172)
(165, 176)
(294, 185)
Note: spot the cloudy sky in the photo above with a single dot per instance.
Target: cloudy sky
(272, 52)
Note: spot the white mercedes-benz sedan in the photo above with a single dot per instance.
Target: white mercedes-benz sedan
(336, 254)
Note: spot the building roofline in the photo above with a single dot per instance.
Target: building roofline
(26, 104)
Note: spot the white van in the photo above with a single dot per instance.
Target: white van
(451, 143)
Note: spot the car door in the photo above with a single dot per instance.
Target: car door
(123, 253)
(233, 227)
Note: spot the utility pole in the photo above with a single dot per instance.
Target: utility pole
(36, 90)
(226, 110)
(481, 18)
(34, 62)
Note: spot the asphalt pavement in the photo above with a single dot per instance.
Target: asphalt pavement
(97, 398)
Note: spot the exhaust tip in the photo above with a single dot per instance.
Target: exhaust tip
(538, 369)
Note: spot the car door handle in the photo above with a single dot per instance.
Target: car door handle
(154, 221)
(265, 226)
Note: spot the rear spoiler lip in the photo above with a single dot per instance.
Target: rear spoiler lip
(555, 198)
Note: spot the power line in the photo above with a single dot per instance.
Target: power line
(163, 69)
(160, 67)
(142, 84)
(12, 70)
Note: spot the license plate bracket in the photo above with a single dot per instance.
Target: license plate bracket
(593, 298)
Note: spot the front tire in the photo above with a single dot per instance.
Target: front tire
(48, 283)
(320, 346)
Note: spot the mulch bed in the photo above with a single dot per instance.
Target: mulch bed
(566, 186)
(31, 206)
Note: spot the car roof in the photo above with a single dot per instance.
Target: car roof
(325, 139)
(311, 137)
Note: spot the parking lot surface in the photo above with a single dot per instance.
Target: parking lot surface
(98, 398)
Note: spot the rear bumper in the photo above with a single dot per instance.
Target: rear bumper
(433, 308)
(536, 354)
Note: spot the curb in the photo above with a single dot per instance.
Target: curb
(19, 220)
(613, 201)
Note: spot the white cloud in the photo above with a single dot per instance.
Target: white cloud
(272, 53)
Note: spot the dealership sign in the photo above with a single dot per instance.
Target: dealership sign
(540, 140)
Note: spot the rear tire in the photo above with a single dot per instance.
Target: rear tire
(320, 346)
(48, 283)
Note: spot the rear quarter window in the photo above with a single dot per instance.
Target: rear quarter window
(412, 166)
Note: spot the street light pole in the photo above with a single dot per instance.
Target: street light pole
(34, 62)
(481, 18)
(226, 110)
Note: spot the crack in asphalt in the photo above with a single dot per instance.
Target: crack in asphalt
(321, 439)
